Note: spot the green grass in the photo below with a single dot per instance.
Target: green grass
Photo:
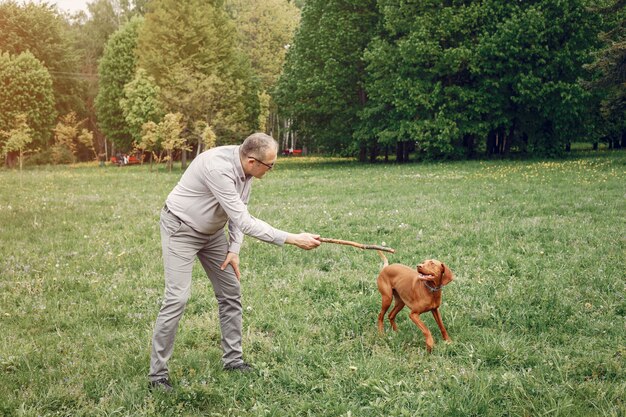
(536, 312)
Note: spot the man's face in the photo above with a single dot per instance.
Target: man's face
(258, 167)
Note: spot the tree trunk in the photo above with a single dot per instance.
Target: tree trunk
(408, 147)
(469, 145)
(509, 138)
(400, 152)
(491, 142)
(373, 151)
(362, 152)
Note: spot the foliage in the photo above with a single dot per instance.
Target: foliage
(535, 58)
(169, 132)
(68, 136)
(322, 85)
(17, 139)
(141, 102)
(209, 139)
(608, 66)
(26, 89)
(265, 32)
(39, 29)
(536, 310)
(164, 136)
(447, 74)
(150, 142)
(93, 31)
(197, 66)
(116, 69)
(455, 78)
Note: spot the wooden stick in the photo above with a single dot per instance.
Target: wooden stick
(356, 245)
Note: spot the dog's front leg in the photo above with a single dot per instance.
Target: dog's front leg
(444, 333)
(430, 342)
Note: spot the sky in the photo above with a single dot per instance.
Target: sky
(71, 5)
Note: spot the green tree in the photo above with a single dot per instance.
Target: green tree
(196, 63)
(321, 89)
(164, 136)
(419, 83)
(17, 138)
(26, 89)
(169, 131)
(457, 76)
(150, 142)
(265, 31)
(116, 69)
(608, 66)
(532, 59)
(69, 138)
(208, 138)
(39, 29)
(141, 103)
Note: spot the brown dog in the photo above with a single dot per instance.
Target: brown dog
(419, 289)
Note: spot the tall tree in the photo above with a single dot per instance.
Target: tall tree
(16, 139)
(141, 103)
(70, 138)
(26, 89)
(446, 75)
(190, 49)
(265, 31)
(419, 80)
(321, 89)
(116, 69)
(532, 59)
(39, 29)
(610, 68)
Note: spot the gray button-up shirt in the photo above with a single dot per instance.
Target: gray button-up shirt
(214, 190)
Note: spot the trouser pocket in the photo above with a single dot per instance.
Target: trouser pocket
(170, 223)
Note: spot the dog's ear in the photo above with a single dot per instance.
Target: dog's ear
(447, 276)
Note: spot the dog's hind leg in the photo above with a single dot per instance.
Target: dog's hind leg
(386, 292)
(399, 305)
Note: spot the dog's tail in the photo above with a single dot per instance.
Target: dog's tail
(383, 257)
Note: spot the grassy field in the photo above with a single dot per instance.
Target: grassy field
(536, 311)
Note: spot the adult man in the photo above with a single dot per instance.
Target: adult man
(213, 191)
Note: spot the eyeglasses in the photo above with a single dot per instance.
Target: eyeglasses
(269, 166)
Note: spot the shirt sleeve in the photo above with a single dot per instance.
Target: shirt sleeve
(235, 237)
(240, 221)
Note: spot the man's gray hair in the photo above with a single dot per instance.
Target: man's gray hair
(259, 145)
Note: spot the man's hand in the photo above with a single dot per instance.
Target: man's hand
(305, 241)
(233, 259)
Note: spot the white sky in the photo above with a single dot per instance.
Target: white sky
(70, 5)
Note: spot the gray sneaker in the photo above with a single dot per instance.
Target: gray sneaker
(162, 384)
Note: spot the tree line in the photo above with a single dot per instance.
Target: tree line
(367, 78)
(162, 77)
(457, 78)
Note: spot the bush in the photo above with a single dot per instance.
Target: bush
(39, 158)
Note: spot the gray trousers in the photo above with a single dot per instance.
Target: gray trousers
(181, 245)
